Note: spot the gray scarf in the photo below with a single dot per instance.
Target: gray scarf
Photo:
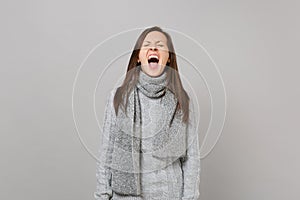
(167, 145)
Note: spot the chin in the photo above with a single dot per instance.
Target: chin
(153, 71)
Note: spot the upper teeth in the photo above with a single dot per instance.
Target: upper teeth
(153, 56)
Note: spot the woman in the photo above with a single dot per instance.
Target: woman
(150, 146)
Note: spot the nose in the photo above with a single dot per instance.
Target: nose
(153, 48)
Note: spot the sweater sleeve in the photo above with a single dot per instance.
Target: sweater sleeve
(191, 163)
(103, 172)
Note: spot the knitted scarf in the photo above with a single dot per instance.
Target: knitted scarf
(169, 143)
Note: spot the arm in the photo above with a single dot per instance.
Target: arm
(191, 163)
(103, 173)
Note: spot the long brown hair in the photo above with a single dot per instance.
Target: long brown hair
(173, 79)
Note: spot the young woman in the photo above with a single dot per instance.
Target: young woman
(150, 147)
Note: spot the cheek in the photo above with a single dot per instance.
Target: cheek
(142, 55)
(165, 56)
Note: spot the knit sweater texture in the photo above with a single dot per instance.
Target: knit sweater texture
(176, 181)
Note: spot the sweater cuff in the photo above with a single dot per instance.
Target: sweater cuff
(102, 197)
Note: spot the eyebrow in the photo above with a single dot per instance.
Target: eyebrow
(155, 42)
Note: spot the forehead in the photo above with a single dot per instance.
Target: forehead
(155, 36)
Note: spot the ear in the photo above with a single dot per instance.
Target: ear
(138, 62)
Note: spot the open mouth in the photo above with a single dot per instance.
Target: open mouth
(153, 59)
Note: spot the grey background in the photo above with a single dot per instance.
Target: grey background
(255, 44)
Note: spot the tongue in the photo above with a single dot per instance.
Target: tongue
(153, 65)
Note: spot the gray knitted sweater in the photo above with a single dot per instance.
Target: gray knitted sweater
(178, 181)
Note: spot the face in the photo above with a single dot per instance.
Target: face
(154, 53)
